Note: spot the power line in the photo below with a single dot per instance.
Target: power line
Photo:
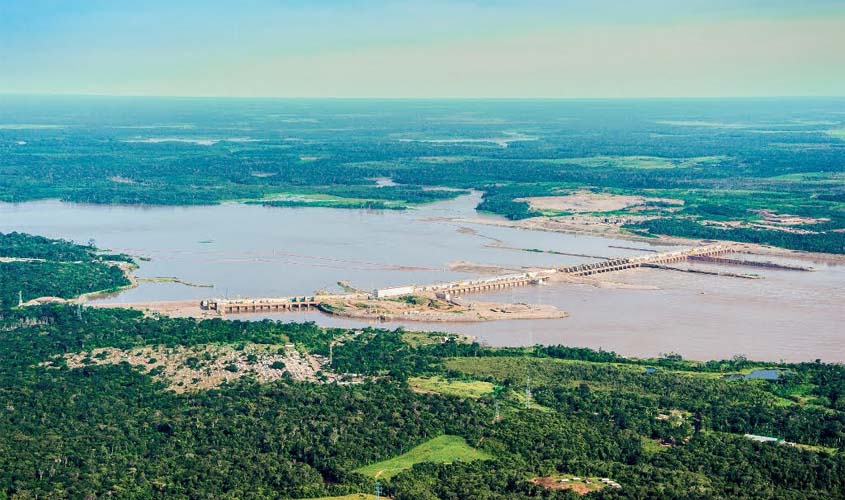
(527, 389)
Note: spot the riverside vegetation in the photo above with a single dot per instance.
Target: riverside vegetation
(430, 416)
(34, 266)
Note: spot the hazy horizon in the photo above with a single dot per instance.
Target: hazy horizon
(426, 98)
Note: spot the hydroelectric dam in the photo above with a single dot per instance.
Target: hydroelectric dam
(454, 289)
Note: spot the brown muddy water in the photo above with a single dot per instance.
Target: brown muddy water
(243, 250)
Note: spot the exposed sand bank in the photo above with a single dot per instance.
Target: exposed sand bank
(433, 310)
(611, 227)
(472, 267)
(586, 201)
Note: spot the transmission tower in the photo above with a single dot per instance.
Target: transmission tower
(527, 390)
(378, 490)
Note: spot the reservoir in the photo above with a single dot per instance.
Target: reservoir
(236, 250)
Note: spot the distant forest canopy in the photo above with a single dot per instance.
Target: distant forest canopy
(34, 266)
(725, 159)
(661, 428)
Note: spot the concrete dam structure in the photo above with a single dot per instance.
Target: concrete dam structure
(635, 262)
(458, 288)
(271, 304)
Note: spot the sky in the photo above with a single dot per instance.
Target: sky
(424, 48)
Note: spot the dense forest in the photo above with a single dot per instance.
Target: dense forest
(830, 242)
(724, 160)
(33, 266)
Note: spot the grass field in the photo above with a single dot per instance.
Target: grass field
(442, 449)
(474, 389)
(652, 446)
(838, 133)
(550, 370)
(543, 371)
(643, 162)
(599, 376)
(330, 201)
(417, 339)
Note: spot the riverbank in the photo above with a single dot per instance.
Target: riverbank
(609, 228)
(127, 268)
(362, 308)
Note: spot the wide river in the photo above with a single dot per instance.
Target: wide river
(247, 250)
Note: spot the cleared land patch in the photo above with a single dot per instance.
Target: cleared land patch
(643, 162)
(444, 449)
(585, 201)
(211, 365)
(439, 385)
(580, 485)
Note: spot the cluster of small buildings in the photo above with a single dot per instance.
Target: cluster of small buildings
(604, 480)
(396, 291)
(610, 482)
(762, 439)
(616, 221)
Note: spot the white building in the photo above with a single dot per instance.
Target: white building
(397, 291)
(762, 439)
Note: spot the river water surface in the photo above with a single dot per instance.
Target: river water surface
(248, 250)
